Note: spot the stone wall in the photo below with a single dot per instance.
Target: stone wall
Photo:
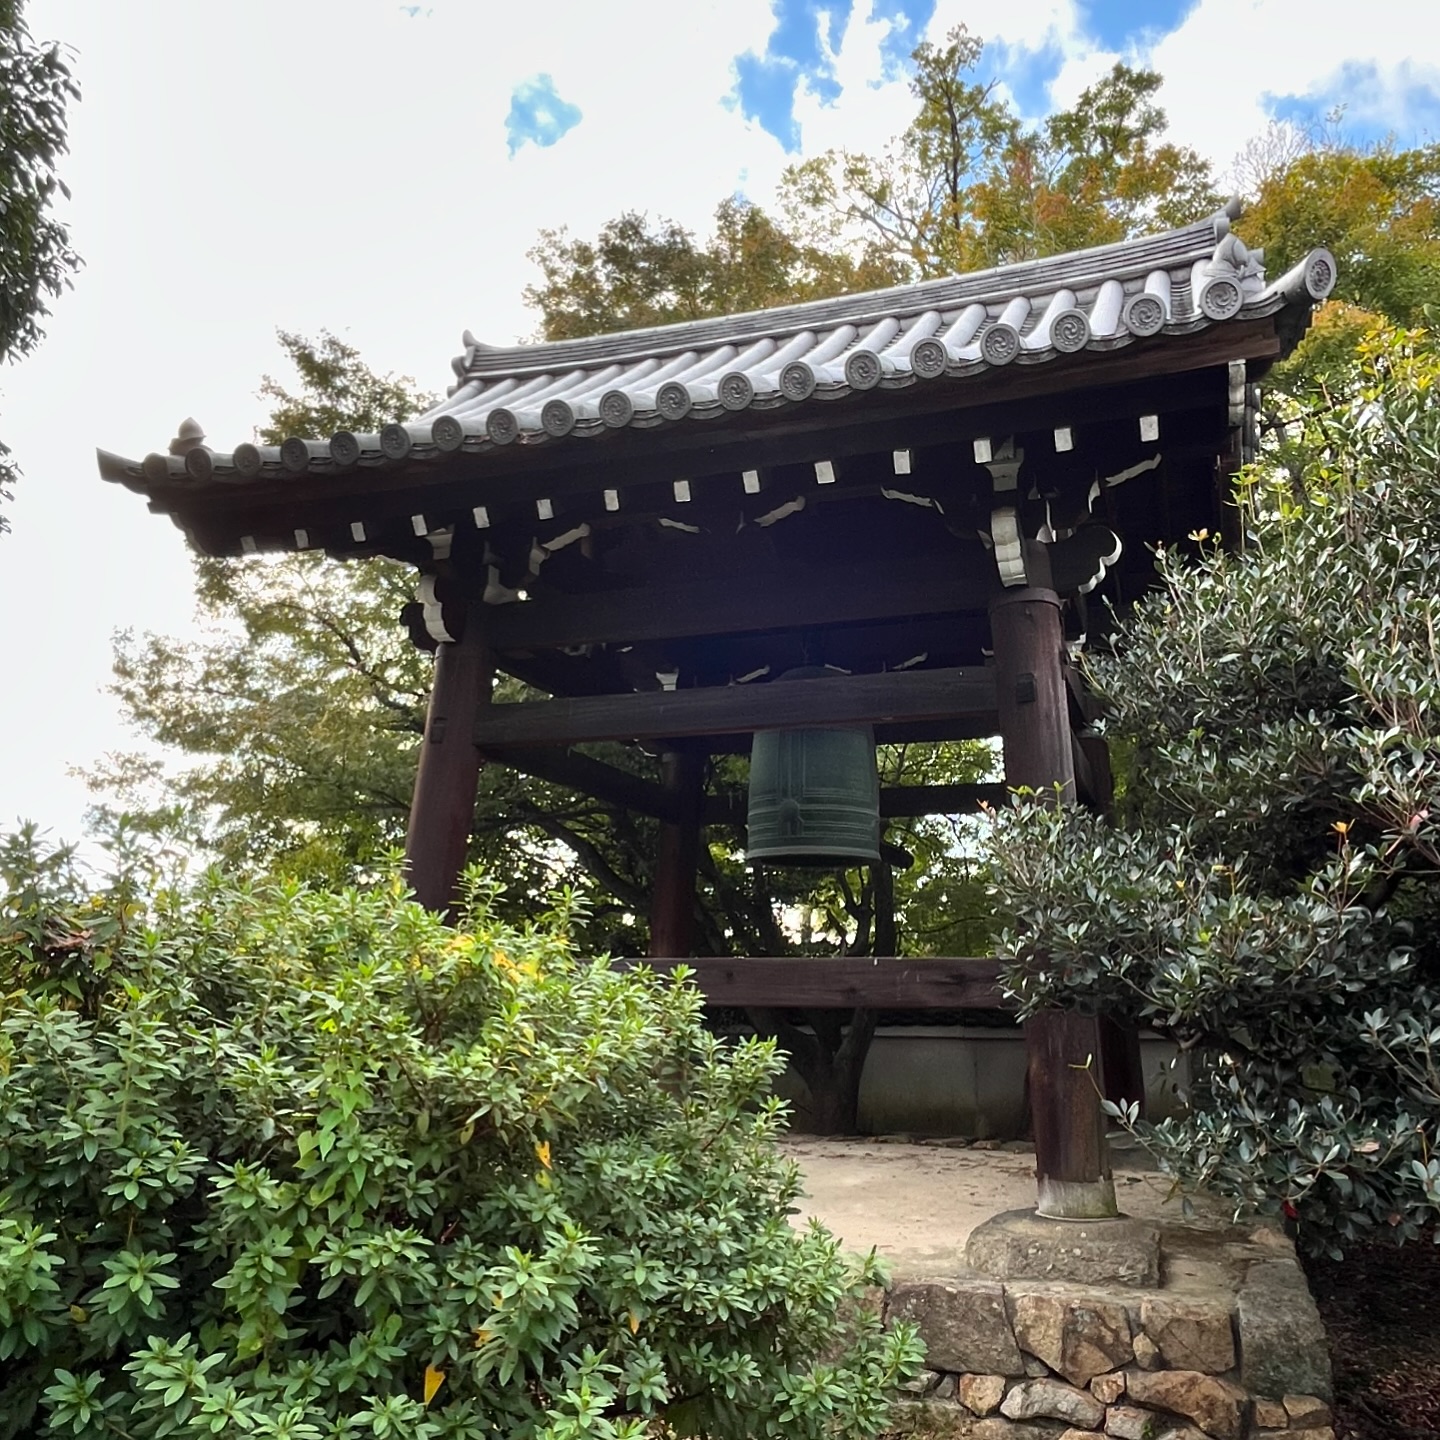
(1228, 1347)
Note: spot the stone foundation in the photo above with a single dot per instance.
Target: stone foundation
(1220, 1340)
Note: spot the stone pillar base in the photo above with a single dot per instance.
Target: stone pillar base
(1025, 1245)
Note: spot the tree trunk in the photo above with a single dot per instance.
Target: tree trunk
(835, 1082)
(830, 1061)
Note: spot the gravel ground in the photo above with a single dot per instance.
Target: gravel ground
(1381, 1307)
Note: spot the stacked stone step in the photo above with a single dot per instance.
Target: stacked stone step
(1045, 1360)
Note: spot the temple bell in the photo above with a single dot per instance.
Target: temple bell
(814, 794)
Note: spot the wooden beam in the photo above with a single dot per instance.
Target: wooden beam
(1030, 690)
(844, 982)
(1072, 1168)
(613, 786)
(1072, 1163)
(1085, 791)
(980, 726)
(606, 783)
(1122, 1069)
(1093, 776)
(909, 695)
(799, 597)
(1085, 706)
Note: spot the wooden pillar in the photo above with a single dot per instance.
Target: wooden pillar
(1122, 1070)
(1072, 1167)
(1030, 692)
(1072, 1162)
(672, 905)
(442, 809)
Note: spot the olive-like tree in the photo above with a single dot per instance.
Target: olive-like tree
(1269, 896)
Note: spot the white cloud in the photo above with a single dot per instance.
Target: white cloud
(1032, 25)
(1228, 55)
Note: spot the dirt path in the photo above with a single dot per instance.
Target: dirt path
(917, 1204)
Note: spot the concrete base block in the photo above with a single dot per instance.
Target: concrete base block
(1282, 1342)
(1021, 1245)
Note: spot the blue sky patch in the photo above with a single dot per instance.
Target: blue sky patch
(908, 19)
(765, 85)
(1118, 24)
(1027, 74)
(538, 114)
(1369, 108)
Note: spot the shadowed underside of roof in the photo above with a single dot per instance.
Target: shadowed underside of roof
(958, 328)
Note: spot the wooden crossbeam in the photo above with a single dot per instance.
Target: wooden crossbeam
(802, 596)
(619, 788)
(980, 726)
(844, 982)
(606, 783)
(909, 695)
(905, 802)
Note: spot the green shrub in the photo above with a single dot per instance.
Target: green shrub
(283, 1163)
(1271, 897)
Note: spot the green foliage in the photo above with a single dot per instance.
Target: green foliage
(638, 273)
(1378, 209)
(1271, 897)
(298, 710)
(967, 185)
(276, 1161)
(36, 260)
(338, 391)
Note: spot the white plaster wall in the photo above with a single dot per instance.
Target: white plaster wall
(941, 1080)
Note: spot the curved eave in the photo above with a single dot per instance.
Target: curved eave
(446, 432)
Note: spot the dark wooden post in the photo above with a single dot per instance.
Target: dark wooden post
(1072, 1167)
(672, 906)
(1030, 692)
(443, 807)
(1122, 1069)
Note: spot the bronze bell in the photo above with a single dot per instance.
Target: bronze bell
(814, 794)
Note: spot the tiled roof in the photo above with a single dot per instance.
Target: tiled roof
(1024, 314)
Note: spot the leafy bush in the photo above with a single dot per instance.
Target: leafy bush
(283, 1163)
(1270, 896)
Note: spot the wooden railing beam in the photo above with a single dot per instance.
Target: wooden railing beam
(843, 982)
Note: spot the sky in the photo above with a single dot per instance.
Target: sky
(381, 169)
